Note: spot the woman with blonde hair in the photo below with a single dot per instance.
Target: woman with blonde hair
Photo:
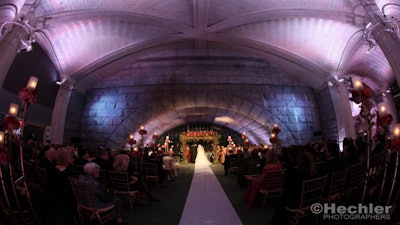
(121, 164)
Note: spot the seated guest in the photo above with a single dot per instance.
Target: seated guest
(227, 163)
(168, 166)
(333, 163)
(305, 169)
(102, 197)
(258, 182)
(48, 161)
(102, 159)
(59, 185)
(121, 164)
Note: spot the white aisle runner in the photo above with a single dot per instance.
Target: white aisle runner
(207, 202)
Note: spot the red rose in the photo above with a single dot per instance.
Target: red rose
(10, 122)
(28, 95)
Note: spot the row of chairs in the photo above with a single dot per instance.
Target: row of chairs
(338, 187)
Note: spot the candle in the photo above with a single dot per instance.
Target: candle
(396, 130)
(32, 83)
(1, 138)
(13, 110)
(131, 136)
(357, 83)
(382, 109)
(273, 135)
(275, 125)
(142, 127)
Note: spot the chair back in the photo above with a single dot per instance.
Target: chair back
(312, 190)
(274, 181)
(86, 201)
(119, 181)
(83, 192)
(253, 167)
(356, 175)
(151, 173)
(337, 182)
(150, 169)
(104, 178)
(41, 175)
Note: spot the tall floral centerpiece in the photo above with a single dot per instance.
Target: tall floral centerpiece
(28, 96)
(361, 95)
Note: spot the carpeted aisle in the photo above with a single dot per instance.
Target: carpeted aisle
(207, 202)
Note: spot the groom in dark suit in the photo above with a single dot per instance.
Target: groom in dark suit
(193, 153)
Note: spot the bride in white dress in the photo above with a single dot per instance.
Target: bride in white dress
(201, 158)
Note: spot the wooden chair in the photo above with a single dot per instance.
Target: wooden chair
(253, 167)
(120, 185)
(30, 175)
(151, 174)
(177, 164)
(41, 175)
(355, 180)
(311, 193)
(86, 204)
(335, 186)
(233, 165)
(274, 185)
(104, 178)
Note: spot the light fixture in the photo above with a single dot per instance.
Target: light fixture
(26, 40)
(357, 83)
(382, 108)
(13, 110)
(390, 26)
(396, 130)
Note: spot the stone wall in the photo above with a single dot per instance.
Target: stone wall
(107, 109)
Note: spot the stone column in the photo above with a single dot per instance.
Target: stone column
(60, 112)
(344, 118)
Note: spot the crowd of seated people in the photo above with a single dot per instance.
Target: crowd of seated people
(56, 204)
(302, 162)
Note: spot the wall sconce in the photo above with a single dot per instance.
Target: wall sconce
(357, 83)
(396, 130)
(32, 83)
(382, 108)
(1, 138)
(13, 110)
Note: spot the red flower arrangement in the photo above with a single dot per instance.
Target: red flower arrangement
(276, 130)
(142, 132)
(28, 95)
(11, 122)
(155, 136)
(385, 120)
(132, 141)
(359, 96)
(395, 144)
(272, 140)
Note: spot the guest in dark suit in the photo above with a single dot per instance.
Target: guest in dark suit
(102, 159)
(193, 153)
(334, 162)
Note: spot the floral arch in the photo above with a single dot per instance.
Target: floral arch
(198, 137)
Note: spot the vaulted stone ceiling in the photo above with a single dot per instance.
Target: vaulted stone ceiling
(94, 43)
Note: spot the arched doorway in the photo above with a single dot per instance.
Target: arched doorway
(209, 140)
